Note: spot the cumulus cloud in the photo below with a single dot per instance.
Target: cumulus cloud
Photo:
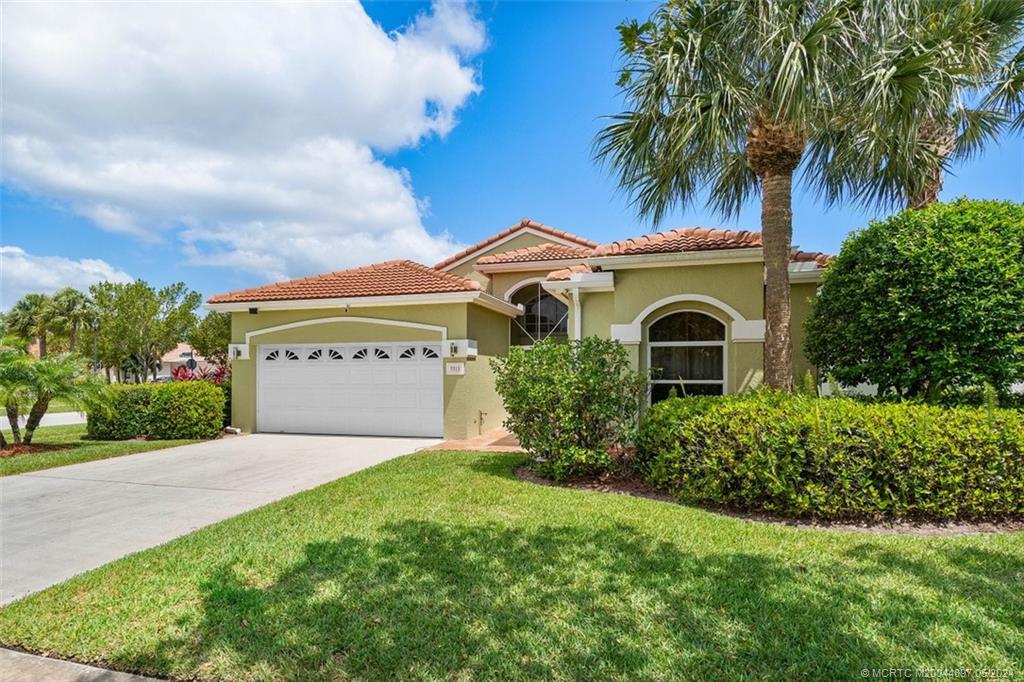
(21, 273)
(251, 132)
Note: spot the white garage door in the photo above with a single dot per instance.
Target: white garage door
(370, 389)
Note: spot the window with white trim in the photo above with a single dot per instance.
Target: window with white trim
(544, 316)
(686, 351)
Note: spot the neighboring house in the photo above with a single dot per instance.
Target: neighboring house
(400, 348)
(179, 357)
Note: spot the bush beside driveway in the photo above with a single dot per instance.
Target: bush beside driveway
(443, 565)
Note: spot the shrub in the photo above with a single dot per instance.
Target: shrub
(186, 409)
(926, 300)
(836, 458)
(122, 414)
(568, 403)
(190, 409)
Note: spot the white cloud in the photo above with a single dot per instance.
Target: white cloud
(247, 130)
(21, 273)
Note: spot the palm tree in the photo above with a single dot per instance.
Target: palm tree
(954, 88)
(71, 312)
(725, 95)
(14, 380)
(732, 96)
(57, 377)
(29, 319)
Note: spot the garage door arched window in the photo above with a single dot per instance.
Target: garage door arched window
(544, 316)
(686, 350)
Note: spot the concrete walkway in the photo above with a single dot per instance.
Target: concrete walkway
(60, 522)
(20, 667)
(51, 419)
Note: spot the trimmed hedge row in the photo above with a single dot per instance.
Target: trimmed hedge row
(180, 409)
(836, 458)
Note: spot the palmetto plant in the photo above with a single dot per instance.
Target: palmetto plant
(63, 377)
(14, 379)
(731, 97)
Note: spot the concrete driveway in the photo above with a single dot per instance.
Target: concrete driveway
(60, 522)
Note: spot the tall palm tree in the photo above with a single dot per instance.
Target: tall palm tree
(945, 86)
(14, 379)
(725, 96)
(730, 97)
(71, 311)
(29, 319)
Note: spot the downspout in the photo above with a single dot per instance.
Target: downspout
(577, 316)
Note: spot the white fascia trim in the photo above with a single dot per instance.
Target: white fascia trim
(443, 331)
(592, 282)
(526, 266)
(529, 230)
(677, 258)
(805, 272)
(478, 297)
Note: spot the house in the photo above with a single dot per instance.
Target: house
(400, 348)
(179, 357)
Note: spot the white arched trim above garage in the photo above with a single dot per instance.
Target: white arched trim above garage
(743, 330)
(240, 351)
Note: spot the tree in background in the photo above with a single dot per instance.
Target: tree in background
(211, 336)
(730, 97)
(71, 311)
(957, 88)
(926, 301)
(137, 324)
(29, 319)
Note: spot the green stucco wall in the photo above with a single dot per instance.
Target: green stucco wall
(800, 306)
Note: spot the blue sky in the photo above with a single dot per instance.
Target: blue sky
(518, 146)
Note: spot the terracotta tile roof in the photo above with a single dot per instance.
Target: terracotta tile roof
(391, 278)
(541, 252)
(817, 257)
(697, 239)
(524, 223)
(565, 273)
(682, 239)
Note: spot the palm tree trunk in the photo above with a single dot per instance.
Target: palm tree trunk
(3, 440)
(929, 192)
(777, 233)
(12, 419)
(35, 415)
(42, 344)
(939, 137)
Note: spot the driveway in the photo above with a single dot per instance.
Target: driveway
(60, 522)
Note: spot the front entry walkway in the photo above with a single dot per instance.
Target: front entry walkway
(60, 522)
(495, 440)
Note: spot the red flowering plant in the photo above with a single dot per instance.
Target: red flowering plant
(216, 375)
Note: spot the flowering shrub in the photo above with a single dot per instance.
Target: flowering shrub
(217, 375)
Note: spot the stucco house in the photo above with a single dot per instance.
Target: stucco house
(400, 348)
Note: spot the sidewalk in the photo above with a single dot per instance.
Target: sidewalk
(19, 667)
(51, 419)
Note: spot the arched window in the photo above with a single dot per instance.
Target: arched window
(686, 350)
(544, 316)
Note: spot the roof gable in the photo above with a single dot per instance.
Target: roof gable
(532, 254)
(527, 226)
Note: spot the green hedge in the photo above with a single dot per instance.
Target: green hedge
(179, 409)
(836, 458)
(122, 414)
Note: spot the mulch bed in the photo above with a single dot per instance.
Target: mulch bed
(22, 449)
(637, 487)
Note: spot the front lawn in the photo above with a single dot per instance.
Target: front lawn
(76, 449)
(443, 565)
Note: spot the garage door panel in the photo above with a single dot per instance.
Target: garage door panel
(359, 389)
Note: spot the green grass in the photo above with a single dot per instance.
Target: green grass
(78, 450)
(442, 565)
